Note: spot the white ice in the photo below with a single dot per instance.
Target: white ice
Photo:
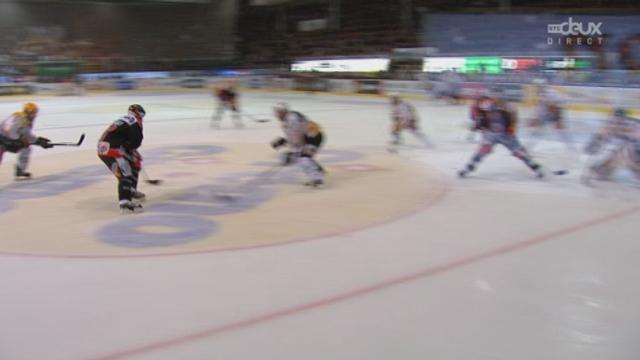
(504, 266)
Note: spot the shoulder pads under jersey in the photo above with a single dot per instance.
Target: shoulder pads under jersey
(127, 119)
(296, 116)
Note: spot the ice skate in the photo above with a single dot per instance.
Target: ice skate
(21, 174)
(466, 171)
(128, 207)
(538, 170)
(314, 183)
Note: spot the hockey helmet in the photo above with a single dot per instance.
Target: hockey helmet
(280, 110)
(619, 112)
(30, 110)
(137, 111)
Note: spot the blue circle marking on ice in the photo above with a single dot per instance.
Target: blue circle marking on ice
(204, 200)
(131, 231)
(192, 205)
(330, 156)
(51, 185)
(184, 151)
(6, 205)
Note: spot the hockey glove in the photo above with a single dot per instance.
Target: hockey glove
(43, 142)
(136, 155)
(135, 158)
(278, 142)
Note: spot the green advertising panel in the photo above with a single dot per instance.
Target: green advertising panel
(483, 64)
(55, 71)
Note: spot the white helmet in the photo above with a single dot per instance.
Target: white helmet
(281, 107)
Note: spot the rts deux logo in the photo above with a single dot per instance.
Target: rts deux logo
(575, 33)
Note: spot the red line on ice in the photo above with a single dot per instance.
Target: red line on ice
(425, 273)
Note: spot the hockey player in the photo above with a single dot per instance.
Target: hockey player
(497, 123)
(118, 149)
(404, 117)
(449, 87)
(549, 112)
(16, 136)
(227, 100)
(480, 103)
(303, 138)
(621, 136)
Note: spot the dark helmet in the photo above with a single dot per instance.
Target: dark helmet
(137, 110)
(620, 112)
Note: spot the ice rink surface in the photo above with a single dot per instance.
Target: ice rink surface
(396, 258)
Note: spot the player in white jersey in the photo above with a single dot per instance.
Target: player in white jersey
(303, 138)
(16, 136)
(549, 111)
(618, 144)
(404, 117)
(448, 88)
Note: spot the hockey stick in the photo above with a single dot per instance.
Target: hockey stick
(70, 143)
(146, 178)
(258, 120)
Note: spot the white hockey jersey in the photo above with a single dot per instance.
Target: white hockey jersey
(296, 127)
(17, 127)
(403, 112)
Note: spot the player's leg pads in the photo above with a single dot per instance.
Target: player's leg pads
(23, 157)
(311, 169)
(125, 188)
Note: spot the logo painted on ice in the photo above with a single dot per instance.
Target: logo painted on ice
(188, 215)
(575, 28)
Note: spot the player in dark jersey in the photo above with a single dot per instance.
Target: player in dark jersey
(227, 100)
(498, 126)
(479, 104)
(118, 149)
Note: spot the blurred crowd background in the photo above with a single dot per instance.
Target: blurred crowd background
(488, 40)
